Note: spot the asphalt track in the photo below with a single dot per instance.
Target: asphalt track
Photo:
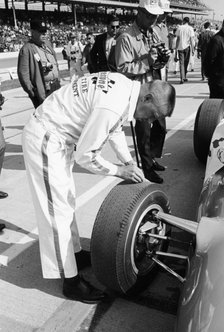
(30, 303)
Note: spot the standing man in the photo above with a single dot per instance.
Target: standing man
(185, 46)
(102, 53)
(74, 123)
(138, 59)
(162, 30)
(86, 58)
(74, 51)
(37, 67)
(214, 64)
(203, 40)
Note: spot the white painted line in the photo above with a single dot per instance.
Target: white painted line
(180, 126)
(92, 192)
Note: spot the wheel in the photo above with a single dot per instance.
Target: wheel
(118, 249)
(209, 114)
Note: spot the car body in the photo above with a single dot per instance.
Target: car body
(134, 226)
(201, 304)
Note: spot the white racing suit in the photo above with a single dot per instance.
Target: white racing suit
(80, 116)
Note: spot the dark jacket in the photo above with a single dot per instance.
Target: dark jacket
(214, 63)
(98, 55)
(30, 71)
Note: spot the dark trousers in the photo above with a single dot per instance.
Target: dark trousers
(216, 89)
(150, 140)
(184, 57)
(55, 85)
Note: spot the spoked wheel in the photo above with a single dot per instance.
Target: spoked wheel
(125, 234)
(209, 114)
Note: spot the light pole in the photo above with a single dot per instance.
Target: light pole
(14, 14)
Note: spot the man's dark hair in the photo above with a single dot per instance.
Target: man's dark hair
(112, 18)
(207, 25)
(186, 20)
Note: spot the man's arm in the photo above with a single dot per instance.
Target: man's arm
(91, 142)
(94, 55)
(128, 62)
(23, 71)
(119, 145)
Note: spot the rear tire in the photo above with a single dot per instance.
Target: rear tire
(209, 114)
(117, 248)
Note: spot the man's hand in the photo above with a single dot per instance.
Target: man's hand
(152, 56)
(130, 172)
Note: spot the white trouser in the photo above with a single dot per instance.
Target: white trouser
(49, 165)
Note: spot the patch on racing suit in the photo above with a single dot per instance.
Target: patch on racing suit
(103, 82)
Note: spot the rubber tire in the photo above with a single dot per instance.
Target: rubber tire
(209, 114)
(113, 232)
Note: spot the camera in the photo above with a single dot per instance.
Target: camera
(2, 100)
(73, 55)
(162, 56)
(47, 66)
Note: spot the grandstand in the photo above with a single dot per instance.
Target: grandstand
(85, 15)
(74, 9)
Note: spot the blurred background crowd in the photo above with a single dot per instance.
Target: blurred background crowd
(13, 37)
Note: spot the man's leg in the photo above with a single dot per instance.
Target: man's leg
(181, 62)
(143, 133)
(216, 90)
(49, 169)
(187, 53)
(158, 134)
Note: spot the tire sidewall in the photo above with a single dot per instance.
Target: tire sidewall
(128, 274)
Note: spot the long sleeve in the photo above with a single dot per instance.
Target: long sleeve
(119, 145)
(92, 140)
(23, 70)
(128, 61)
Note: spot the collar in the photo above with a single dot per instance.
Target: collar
(133, 99)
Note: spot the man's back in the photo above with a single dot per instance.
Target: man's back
(184, 33)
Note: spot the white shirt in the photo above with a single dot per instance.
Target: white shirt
(185, 33)
(90, 111)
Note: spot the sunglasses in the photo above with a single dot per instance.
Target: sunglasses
(115, 27)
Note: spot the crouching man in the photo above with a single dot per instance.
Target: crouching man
(74, 123)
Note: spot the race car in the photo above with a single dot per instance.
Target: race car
(134, 225)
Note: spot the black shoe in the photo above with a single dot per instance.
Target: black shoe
(185, 80)
(79, 289)
(2, 226)
(3, 195)
(156, 166)
(152, 176)
(83, 259)
(181, 82)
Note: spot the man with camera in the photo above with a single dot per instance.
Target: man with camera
(37, 68)
(140, 55)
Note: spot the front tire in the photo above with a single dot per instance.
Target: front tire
(118, 250)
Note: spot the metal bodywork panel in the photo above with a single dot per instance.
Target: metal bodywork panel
(201, 306)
